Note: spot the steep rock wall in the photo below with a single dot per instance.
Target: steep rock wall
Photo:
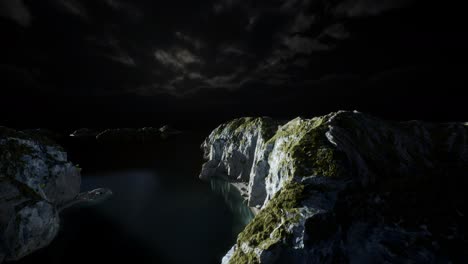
(344, 188)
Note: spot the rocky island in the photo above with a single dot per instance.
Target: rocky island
(36, 182)
(345, 188)
(112, 135)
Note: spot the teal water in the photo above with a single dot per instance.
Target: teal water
(242, 214)
(160, 211)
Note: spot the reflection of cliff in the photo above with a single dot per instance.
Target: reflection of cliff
(345, 188)
(233, 198)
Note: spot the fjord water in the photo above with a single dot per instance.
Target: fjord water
(160, 211)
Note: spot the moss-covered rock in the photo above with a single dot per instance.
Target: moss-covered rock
(271, 225)
(305, 173)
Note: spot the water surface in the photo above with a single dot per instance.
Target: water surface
(160, 211)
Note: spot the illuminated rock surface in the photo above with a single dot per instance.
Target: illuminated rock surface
(36, 182)
(345, 188)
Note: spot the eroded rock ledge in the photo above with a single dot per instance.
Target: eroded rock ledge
(345, 188)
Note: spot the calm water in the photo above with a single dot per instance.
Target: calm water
(160, 211)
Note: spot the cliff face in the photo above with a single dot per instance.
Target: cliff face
(345, 188)
(35, 178)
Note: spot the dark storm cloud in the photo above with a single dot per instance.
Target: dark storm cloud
(302, 23)
(304, 45)
(232, 50)
(15, 10)
(131, 11)
(114, 4)
(182, 47)
(73, 7)
(119, 55)
(337, 31)
(20, 77)
(196, 43)
(178, 59)
(359, 8)
(228, 81)
(224, 5)
(111, 48)
(124, 59)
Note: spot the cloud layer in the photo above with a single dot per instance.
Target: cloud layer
(15, 10)
(182, 47)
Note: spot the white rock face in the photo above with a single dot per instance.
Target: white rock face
(337, 160)
(234, 152)
(228, 256)
(259, 172)
(35, 178)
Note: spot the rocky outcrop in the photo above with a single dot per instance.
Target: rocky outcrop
(36, 181)
(345, 188)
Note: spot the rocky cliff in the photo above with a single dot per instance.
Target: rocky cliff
(35, 180)
(345, 188)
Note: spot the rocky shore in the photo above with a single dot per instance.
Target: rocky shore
(36, 182)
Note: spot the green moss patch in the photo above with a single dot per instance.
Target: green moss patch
(11, 157)
(309, 149)
(269, 227)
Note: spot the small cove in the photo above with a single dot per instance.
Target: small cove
(160, 212)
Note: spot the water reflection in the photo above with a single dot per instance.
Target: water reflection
(241, 211)
(160, 212)
(147, 220)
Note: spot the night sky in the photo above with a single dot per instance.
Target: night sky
(100, 63)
